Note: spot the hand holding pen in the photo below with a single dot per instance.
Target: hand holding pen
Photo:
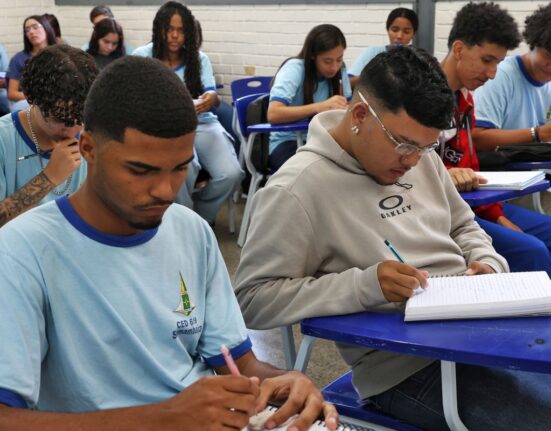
(398, 280)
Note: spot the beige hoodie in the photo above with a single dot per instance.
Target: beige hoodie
(317, 235)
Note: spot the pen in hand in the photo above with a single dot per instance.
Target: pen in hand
(229, 361)
(42, 153)
(397, 255)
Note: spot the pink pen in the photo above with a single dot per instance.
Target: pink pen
(229, 361)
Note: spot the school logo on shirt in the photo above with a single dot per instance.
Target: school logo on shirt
(185, 306)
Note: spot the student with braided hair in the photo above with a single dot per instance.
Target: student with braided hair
(38, 158)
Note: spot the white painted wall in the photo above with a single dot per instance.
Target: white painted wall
(237, 36)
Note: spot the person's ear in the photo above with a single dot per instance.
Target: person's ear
(87, 146)
(359, 113)
(458, 48)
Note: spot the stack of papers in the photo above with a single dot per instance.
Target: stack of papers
(510, 180)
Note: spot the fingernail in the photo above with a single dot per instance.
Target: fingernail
(270, 425)
(331, 421)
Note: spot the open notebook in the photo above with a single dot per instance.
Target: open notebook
(481, 296)
(510, 180)
(257, 423)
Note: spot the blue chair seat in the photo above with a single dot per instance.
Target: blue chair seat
(342, 394)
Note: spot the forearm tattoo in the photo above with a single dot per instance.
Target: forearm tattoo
(25, 198)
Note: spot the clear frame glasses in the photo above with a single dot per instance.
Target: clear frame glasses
(402, 148)
(32, 27)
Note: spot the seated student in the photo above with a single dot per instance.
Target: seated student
(315, 246)
(175, 45)
(479, 39)
(138, 284)
(54, 23)
(401, 26)
(37, 35)
(97, 14)
(4, 63)
(106, 43)
(39, 158)
(515, 107)
(313, 81)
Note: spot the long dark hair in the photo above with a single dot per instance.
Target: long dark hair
(50, 35)
(103, 28)
(321, 38)
(189, 52)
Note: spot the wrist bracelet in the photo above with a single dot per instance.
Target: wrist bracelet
(533, 133)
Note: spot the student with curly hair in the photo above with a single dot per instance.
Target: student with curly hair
(401, 26)
(107, 42)
(39, 160)
(37, 35)
(313, 81)
(174, 42)
(515, 107)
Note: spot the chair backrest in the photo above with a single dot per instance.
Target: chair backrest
(241, 104)
(252, 85)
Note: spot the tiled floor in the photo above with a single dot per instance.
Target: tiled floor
(325, 364)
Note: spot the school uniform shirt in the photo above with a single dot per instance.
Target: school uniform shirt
(17, 63)
(97, 321)
(459, 151)
(512, 100)
(288, 88)
(207, 76)
(14, 173)
(4, 59)
(365, 57)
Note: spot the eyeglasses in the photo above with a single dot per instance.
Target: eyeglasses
(402, 148)
(32, 27)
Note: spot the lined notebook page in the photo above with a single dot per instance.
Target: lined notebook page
(487, 294)
(257, 423)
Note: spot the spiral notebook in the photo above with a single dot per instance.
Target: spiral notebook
(482, 296)
(258, 420)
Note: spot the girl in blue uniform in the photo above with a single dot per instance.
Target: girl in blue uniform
(174, 43)
(314, 81)
(107, 42)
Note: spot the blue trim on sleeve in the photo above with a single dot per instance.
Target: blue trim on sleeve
(113, 240)
(526, 74)
(279, 99)
(12, 399)
(209, 89)
(177, 68)
(485, 124)
(236, 352)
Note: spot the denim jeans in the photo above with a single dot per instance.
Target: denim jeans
(489, 399)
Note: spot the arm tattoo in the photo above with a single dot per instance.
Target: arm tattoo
(25, 198)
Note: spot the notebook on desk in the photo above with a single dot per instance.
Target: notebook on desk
(481, 296)
(257, 423)
(510, 180)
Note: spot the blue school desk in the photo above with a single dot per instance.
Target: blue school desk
(477, 198)
(518, 343)
(531, 166)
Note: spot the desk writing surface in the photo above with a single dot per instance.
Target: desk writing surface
(517, 343)
(299, 126)
(528, 166)
(483, 197)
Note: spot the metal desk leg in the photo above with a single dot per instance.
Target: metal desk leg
(300, 142)
(288, 346)
(303, 355)
(449, 396)
(536, 201)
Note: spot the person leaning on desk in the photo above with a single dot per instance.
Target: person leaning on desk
(315, 246)
(114, 302)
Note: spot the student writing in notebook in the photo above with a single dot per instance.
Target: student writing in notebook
(515, 107)
(313, 81)
(115, 300)
(479, 39)
(315, 246)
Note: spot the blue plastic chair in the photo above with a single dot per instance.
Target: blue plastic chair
(342, 394)
(252, 85)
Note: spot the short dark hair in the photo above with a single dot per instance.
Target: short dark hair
(163, 110)
(537, 30)
(57, 80)
(402, 12)
(408, 78)
(50, 35)
(477, 23)
(101, 10)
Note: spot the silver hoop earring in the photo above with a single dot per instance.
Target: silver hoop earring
(355, 129)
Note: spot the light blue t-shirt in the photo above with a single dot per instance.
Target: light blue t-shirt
(14, 173)
(96, 321)
(4, 60)
(365, 57)
(288, 88)
(207, 76)
(513, 100)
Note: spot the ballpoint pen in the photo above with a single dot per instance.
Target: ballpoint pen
(394, 252)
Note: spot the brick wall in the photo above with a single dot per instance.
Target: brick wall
(237, 36)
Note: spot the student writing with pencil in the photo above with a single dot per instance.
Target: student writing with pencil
(314, 81)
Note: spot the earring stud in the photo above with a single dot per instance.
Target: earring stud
(355, 129)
